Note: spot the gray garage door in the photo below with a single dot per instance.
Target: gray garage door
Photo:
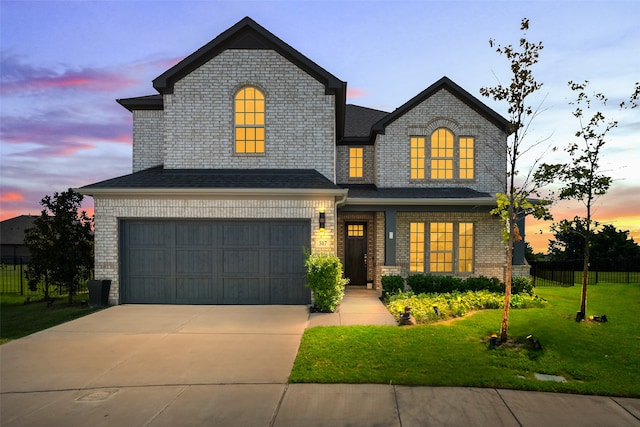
(214, 262)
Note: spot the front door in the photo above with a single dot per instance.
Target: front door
(355, 257)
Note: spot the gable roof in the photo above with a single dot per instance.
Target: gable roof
(455, 90)
(12, 229)
(246, 34)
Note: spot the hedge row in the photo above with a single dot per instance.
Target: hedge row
(430, 284)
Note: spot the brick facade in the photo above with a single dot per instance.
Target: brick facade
(393, 149)
(299, 117)
(148, 144)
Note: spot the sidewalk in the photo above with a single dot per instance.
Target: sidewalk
(360, 306)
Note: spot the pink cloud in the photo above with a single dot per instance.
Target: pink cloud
(20, 78)
(355, 92)
(11, 196)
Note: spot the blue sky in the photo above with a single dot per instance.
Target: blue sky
(64, 63)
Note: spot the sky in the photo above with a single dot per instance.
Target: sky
(64, 63)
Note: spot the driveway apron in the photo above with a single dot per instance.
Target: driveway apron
(157, 354)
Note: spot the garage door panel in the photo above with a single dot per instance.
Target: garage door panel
(155, 289)
(214, 261)
(149, 261)
(241, 261)
(241, 234)
(194, 234)
(193, 261)
(242, 291)
(197, 290)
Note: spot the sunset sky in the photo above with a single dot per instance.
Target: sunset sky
(63, 64)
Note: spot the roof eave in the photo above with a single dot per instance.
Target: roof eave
(469, 201)
(210, 192)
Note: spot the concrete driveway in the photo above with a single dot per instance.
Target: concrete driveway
(128, 364)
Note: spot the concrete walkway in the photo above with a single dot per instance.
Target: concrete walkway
(141, 365)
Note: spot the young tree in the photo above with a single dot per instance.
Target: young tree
(582, 177)
(515, 201)
(61, 243)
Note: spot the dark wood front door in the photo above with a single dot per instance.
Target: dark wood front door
(356, 253)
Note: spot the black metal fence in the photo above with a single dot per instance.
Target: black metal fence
(569, 273)
(13, 280)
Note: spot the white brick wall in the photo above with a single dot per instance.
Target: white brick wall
(148, 149)
(441, 110)
(108, 212)
(300, 118)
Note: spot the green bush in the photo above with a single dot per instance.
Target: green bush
(324, 278)
(391, 285)
(522, 285)
(432, 307)
(428, 284)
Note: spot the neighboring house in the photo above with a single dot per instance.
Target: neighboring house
(249, 153)
(12, 231)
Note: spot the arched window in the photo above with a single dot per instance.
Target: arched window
(249, 121)
(442, 154)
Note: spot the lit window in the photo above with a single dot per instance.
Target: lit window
(442, 154)
(416, 244)
(355, 230)
(465, 247)
(355, 162)
(441, 245)
(417, 157)
(249, 117)
(466, 157)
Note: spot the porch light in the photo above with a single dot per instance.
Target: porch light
(321, 219)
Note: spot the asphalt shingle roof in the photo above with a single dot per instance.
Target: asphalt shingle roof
(359, 120)
(372, 192)
(160, 178)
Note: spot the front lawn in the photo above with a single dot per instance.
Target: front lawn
(595, 358)
(19, 318)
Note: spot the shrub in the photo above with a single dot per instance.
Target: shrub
(492, 284)
(324, 278)
(391, 285)
(455, 304)
(522, 285)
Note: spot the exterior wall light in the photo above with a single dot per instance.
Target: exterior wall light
(321, 219)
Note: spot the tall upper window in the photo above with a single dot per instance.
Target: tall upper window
(442, 154)
(417, 157)
(466, 157)
(355, 162)
(249, 118)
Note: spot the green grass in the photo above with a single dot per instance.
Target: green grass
(18, 319)
(596, 358)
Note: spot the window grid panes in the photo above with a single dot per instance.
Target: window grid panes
(442, 154)
(249, 118)
(416, 251)
(355, 230)
(417, 157)
(355, 162)
(441, 247)
(466, 157)
(465, 247)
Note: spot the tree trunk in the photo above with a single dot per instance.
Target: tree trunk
(585, 275)
(504, 327)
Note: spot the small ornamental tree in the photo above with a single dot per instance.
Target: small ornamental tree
(515, 201)
(324, 278)
(61, 243)
(582, 177)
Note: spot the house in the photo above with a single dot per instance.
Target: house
(249, 153)
(12, 243)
